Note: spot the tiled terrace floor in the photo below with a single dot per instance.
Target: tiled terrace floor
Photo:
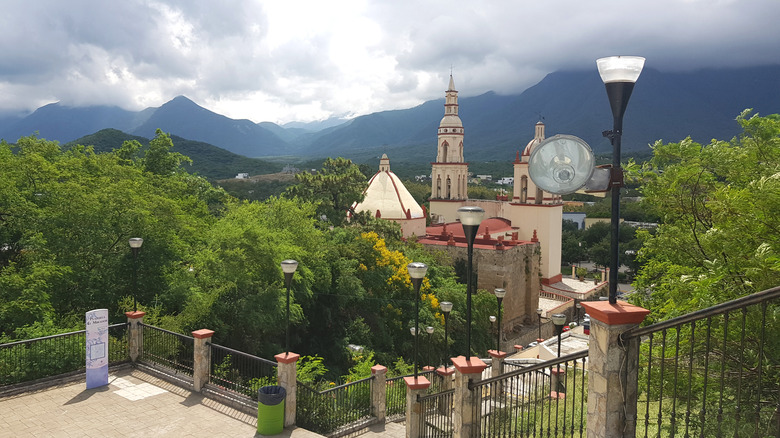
(133, 404)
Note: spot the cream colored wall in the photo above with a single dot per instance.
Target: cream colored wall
(445, 211)
(546, 220)
(411, 227)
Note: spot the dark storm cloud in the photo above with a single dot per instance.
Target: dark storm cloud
(303, 59)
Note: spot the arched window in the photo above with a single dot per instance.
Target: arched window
(524, 189)
(438, 188)
(444, 150)
(449, 188)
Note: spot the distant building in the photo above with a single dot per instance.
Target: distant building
(576, 217)
(386, 197)
(242, 176)
(507, 180)
(290, 169)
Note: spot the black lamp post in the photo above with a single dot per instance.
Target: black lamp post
(446, 307)
(539, 314)
(288, 267)
(619, 74)
(578, 306)
(559, 319)
(135, 246)
(470, 218)
(429, 330)
(500, 294)
(493, 321)
(417, 271)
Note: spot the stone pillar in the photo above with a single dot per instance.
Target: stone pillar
(497, 366)
(466, 422)
(379, 392)
(201, 365)
(414, 387)
(557, 377)
(611, 397)
(445, 374)
(287, 376)
(135, 334)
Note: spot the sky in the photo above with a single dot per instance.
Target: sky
(307, 60)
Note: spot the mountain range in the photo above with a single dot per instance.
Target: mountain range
(664, 106)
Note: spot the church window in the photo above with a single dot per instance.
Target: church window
(438, 187)
(524, 189)
(449, 188)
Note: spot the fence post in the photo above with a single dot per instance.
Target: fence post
(414, 387)
(445, 374)
(497, 367)
(379, 392)
(201, 358)
(465, 402)
(611, 409)
(287, 376)
(135, 334)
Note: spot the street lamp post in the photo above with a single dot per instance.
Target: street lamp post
(500, 294)
(429, 330)
(288, 267)
(446, 307)
(135, 246)
(470, 218)
(578, 306)
(493, 321)
(619, 74)
(539, 314)
(417, 271)
(559, 319)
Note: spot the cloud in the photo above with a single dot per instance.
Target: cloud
(308, 59)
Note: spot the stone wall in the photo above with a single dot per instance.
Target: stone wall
(516, 269)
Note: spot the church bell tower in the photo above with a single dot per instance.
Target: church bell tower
(449, 174)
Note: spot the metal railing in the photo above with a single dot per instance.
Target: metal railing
(545, 399)
(240, 372)
(168, 349)
(714, 372)
(328, 411)
(436, 414)
(395, 396)
(50, 356)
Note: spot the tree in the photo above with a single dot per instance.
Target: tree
(720, 233)
(335, 188)
(158, 158)
(64, 224)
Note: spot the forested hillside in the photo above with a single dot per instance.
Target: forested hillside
(207, 260)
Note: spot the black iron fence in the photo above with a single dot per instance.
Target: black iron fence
(713, 373)
(395, 396)
(436, 414)
(50, 356)
(328, 411)
(168, 349)
(240, 372)
(545, 399)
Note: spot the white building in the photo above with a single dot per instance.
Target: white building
(386, 197)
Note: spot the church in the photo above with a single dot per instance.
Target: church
(518, 245)
(531, 213)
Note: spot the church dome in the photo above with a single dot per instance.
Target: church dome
(386, 196)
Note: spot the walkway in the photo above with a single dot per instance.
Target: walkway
(133, 404)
